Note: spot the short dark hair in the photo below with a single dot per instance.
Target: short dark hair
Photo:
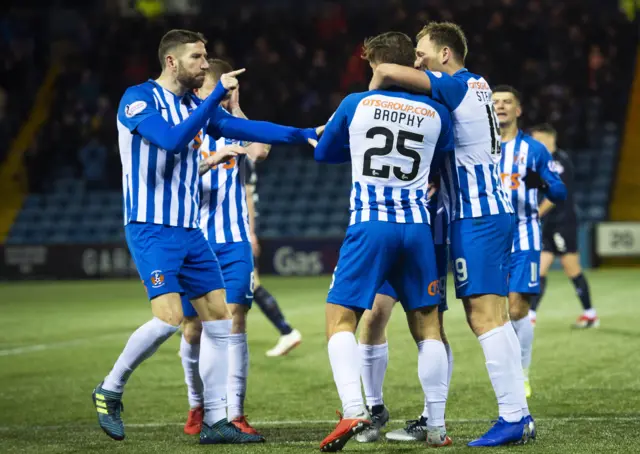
(217, 68)
(446, 34)
(175, 38)
(544, 127)
(508, 89)
(389, 47)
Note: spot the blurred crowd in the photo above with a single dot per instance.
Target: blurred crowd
(302, 58)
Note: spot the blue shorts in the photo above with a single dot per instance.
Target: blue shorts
(524, 274)
(173, 260)
(374, 252)
(236, 262)
(480, 254)
(442, 265)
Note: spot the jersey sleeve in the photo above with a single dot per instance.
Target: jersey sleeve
(223, 124)
(547, 169)
(333, 147)
(446, 89)
(445, 143)
(136, 105)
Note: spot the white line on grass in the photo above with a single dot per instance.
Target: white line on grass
(302, 422)
(55, 345)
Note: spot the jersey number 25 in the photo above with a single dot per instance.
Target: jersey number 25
(384, 171)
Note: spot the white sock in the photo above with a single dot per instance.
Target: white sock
(447, 347)
(238, 371)
(514, 343)
(591, 313)
(190, 353)
(344, 357)
(432, 371)
(374, 365)
(142, 344)
(502, 372)
(214, 366)
(524, 331)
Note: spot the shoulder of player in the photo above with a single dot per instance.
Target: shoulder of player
(138, 97)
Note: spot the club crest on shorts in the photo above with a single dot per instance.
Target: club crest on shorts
(157, 279)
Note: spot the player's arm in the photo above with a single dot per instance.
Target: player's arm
(251, 207)
(553, 188)
(391, 75)
(223, 124)
(333, 146)
(139, 113)
(545, 206)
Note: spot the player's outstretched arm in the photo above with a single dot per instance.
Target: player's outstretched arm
(391, 75)
(256, 151)
(225, 125)
(174, 138)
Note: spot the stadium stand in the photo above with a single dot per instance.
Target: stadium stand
(576, 77)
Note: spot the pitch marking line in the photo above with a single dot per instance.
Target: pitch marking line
(53, 345)
(300, 422)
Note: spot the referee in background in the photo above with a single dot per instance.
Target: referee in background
(560, 233)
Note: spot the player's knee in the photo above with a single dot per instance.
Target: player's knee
(374, 322)
(339, 319)
(518, 306)
(212, 306)
(168, 308)
(571, 265)
(372, 330)
(238, 318)
(424, 323)
(485, 313)
(191, 330)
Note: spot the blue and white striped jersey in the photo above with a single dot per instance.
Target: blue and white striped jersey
(518, 155)
(224, 216)
(393, 139)
(471, 176)
(159, 187)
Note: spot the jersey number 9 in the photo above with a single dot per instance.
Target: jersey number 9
(384, 171)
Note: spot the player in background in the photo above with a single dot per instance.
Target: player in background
(373, 339)
(290, 337)
(161, 125)
(393, 139)
(560, 233)
(480, 213)
(526, 167)
(224, 219)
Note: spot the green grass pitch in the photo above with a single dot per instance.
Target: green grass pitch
(58, 340)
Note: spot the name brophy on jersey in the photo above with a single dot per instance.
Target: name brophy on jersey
(393, 140)
(519, 154)
(471, 178)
